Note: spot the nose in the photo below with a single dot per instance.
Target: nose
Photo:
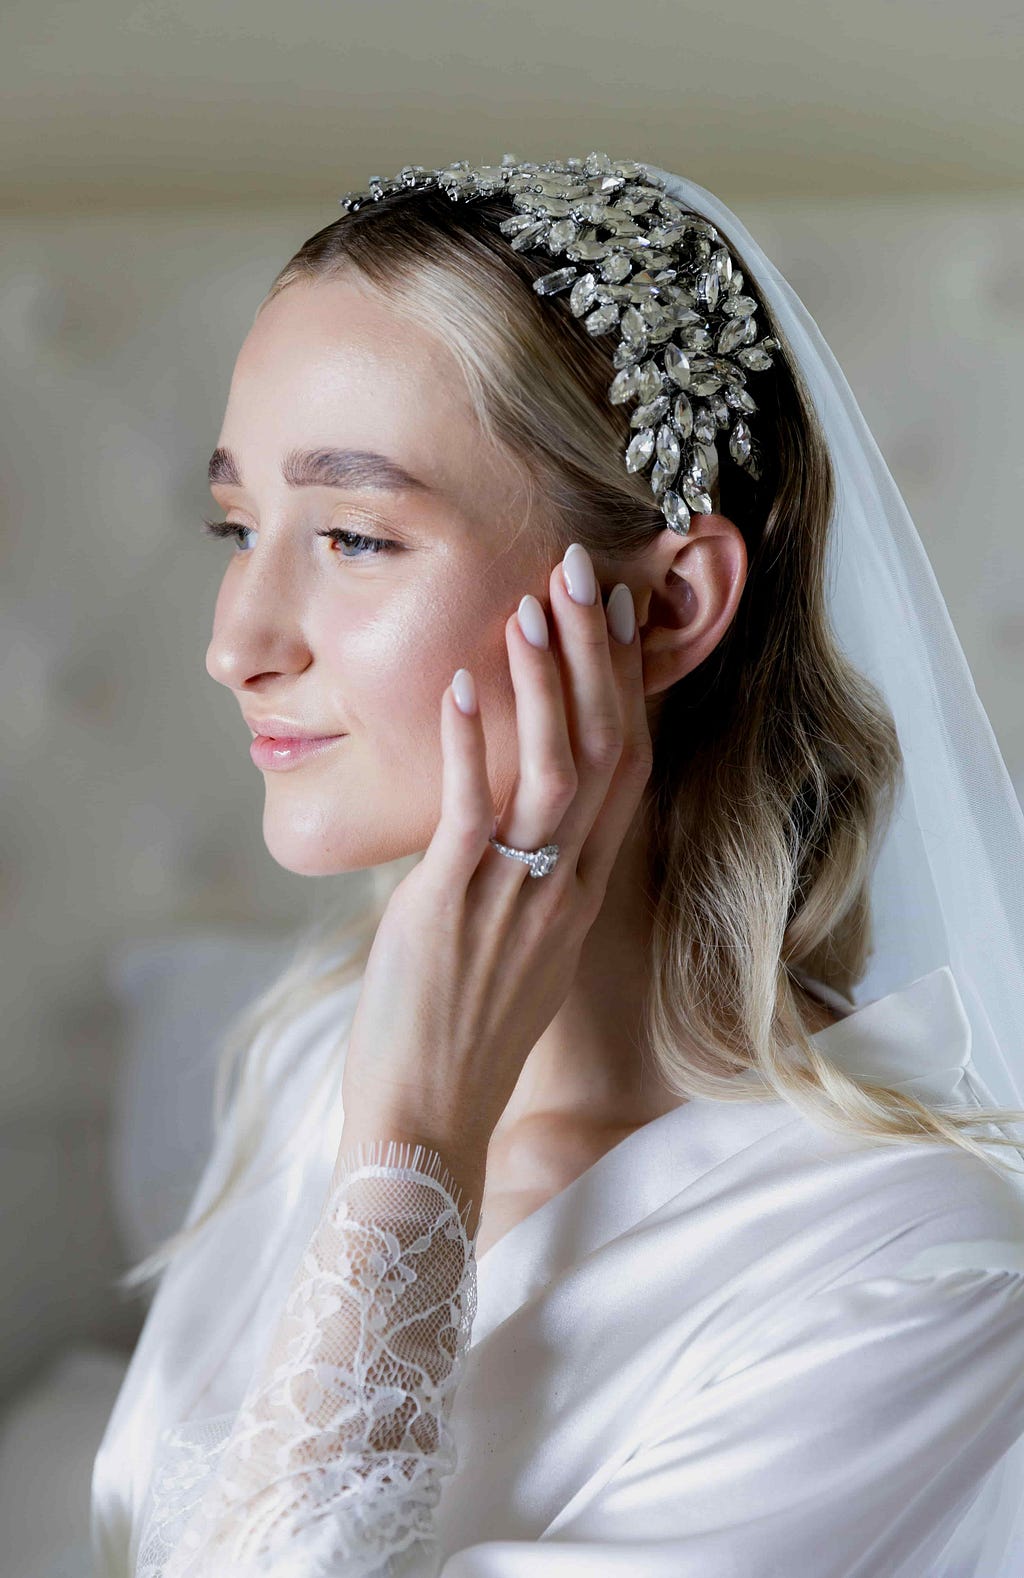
(258, 627)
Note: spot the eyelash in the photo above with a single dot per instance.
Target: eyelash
(375, 545)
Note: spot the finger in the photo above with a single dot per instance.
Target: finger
(546, 780)
(601, 845)
(467, 808)
(591, 685)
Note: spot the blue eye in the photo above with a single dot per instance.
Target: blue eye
(352, 539)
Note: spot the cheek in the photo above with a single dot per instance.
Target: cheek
(391, 669)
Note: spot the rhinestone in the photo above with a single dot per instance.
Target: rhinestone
(614, 216)
(558, 186)
(640, 450)
(723, 415)
(583, 294)
(662, 332)
(739, 398)
(560, 234)
(543, 860)
(739, 440)
(707, 455)
(738, 306)
(527, 237)
(624, 385)
(651, 381)
(704, 425)
(705, 383)
(548, 284)
(660, 478)
(732, 335)
(682, 413)
(755, 357)
(677, 365)
(675, 511)
(518, 222)
(707, 289)
(602, 319)
(616, 267)
(588, 251)
(634, 328)
(555, 207)
(626, 355)
(654, 313)
(665, 235)
(647, 415)
(699, 501)
(668, 449)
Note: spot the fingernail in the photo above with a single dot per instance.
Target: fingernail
(464, 691)
(532, 621)
(621, 613)
(580, 580)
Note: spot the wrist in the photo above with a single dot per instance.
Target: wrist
(462, 1167)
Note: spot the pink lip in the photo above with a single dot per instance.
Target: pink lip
(282, 754)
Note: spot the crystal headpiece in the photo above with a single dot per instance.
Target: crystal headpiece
(661, 276)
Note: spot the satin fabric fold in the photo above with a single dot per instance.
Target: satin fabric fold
(611, 1313)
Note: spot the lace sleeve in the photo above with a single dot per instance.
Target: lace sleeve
(335, 1461)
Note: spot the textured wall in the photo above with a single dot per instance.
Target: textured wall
(129, 803)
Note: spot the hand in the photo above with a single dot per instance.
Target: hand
(473, 956)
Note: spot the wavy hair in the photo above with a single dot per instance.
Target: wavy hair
(777, 766)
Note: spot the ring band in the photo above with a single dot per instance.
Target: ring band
(540, 861)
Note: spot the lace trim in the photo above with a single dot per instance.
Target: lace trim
(336, 1459)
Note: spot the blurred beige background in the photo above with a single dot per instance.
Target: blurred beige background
(161, 160)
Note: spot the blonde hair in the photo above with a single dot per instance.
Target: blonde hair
(777, 765)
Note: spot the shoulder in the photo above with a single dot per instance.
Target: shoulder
(910, 1207)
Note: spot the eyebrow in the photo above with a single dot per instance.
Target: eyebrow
(326, 468)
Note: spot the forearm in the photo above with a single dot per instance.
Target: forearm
(336, 1459)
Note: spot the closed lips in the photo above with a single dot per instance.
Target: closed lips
(280, 729)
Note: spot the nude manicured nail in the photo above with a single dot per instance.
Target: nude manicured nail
(580, 580)
(621, 613)
(464, 691)
(532, 621)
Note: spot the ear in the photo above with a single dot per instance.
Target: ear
(687, 593)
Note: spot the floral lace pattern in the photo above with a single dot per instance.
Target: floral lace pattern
(336, 1458)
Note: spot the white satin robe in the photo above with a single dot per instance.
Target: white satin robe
(737, 1346)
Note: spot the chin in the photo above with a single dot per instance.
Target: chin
(312, 848)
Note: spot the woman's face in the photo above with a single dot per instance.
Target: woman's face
(347, 637)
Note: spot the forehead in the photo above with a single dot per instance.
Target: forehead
(328, 363)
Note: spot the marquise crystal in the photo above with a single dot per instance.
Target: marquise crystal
(657, 275)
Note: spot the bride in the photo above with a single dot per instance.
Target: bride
(613, 1232)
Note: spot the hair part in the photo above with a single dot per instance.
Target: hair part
(777, 766)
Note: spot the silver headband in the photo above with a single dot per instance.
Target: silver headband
(687, 333)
